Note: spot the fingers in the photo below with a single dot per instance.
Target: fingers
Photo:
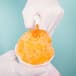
(43, 20)
(24, 70)
(55, 21)
(30, 70)
(47, 16)
(50, 17)
(20, 69)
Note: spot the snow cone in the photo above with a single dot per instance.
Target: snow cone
(35, 47)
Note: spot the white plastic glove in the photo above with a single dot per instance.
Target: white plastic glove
(9, 66)
(49, 11)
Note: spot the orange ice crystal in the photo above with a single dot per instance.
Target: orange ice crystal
(35, 47)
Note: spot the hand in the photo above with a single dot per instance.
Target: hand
(10, 66)
(49, 11)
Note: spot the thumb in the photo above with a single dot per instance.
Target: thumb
(28, 18)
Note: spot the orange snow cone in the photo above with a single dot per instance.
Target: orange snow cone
(35, 47)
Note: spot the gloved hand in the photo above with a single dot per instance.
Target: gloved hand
(49, 11)
(9, 66)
